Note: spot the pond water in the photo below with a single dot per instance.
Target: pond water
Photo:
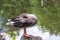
(38, 32)
(35, 31)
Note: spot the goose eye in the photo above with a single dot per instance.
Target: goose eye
(24, 17)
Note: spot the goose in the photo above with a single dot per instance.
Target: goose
(24, 20)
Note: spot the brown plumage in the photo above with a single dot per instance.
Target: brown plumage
(24, 20)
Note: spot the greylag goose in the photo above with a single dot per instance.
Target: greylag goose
(24, 20)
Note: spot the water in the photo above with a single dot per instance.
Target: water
(36, 32)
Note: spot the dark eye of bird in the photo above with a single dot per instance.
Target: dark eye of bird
(24, 17)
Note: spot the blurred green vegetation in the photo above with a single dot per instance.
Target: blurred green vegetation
(48, 14)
